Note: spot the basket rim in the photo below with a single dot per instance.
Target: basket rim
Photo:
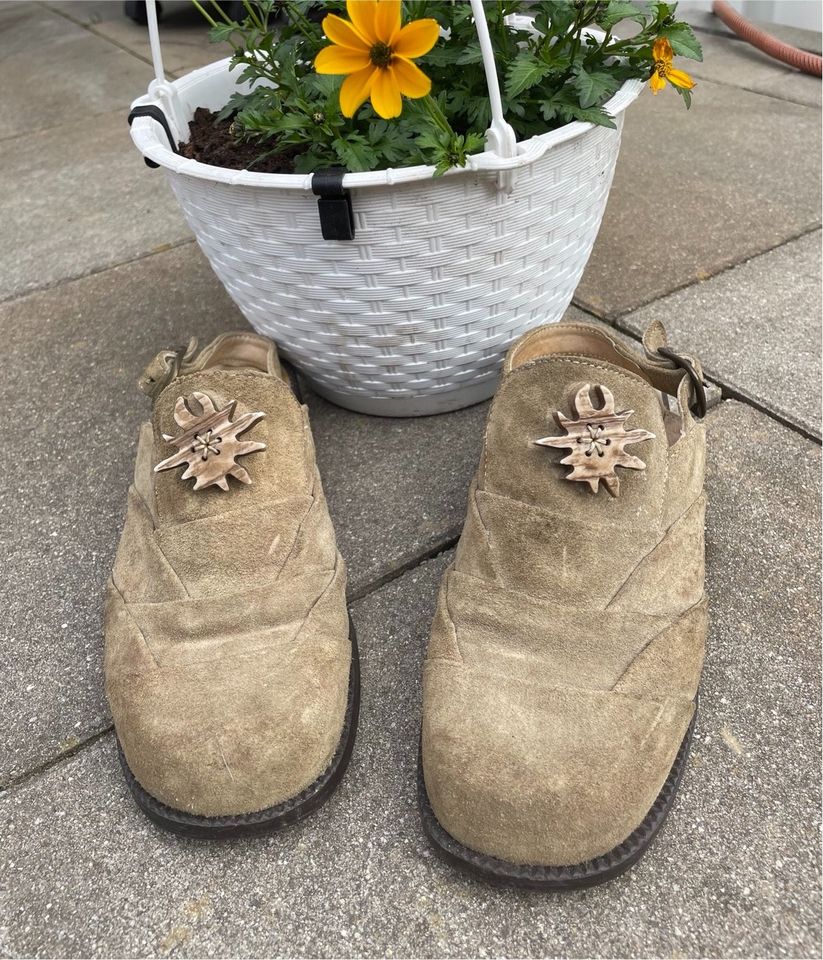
(150, 141)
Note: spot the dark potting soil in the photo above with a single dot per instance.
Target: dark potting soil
(212, 142)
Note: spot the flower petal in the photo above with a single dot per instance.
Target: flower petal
(679, 78)
(385, 95)
(387, 20)
(662, 50)
(342, 33)
(341, 60)
(362, 14)
(410, 79)
(656, 82)
(416, 38)
(356, 89)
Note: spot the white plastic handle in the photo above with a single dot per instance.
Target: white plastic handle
(500, 137)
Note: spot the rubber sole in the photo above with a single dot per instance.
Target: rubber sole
(588, 874)
(272, 818)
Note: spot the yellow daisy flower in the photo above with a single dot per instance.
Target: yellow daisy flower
(663, 70)
(376, 53)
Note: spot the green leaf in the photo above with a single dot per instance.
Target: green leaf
(686, 95)
(593, 88)
(355, 155)
(621, 10)
(524, 73)
(683, 41)
(594, 115)
(472, 54)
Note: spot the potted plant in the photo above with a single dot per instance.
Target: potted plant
(378, 202)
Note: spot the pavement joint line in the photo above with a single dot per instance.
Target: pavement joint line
(90, 28)
(759, 93)
(95, 271)
(446, 543)
(34, 773)
(67, 123)
(613, 318)
(730, 393)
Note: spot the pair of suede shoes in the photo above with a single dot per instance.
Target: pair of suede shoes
(560, 683)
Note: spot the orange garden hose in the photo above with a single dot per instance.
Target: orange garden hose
(800, 59)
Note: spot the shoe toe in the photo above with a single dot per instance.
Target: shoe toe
(233, 737)
(539, 775)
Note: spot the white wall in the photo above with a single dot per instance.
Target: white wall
(806, 14)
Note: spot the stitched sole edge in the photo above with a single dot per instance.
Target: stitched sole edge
(599, 870)
(272, 818)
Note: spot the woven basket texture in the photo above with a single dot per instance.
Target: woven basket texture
(416, 313)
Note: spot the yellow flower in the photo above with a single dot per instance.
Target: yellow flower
(376, 53)
(663, 70)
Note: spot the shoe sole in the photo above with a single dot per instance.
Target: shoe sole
(272, 818)
(592, 872)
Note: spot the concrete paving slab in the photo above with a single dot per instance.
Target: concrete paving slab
(756, 328)
(734, 873)
(183, 33)
(698, 191)
(53, 72)
(739, 64)
(397, 488)
(73, 204)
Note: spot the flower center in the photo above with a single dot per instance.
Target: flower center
(661, 68)
(380, 54)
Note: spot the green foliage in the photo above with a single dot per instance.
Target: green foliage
(564, 69)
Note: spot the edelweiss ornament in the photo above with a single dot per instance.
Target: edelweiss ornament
(597, 439)
(209, 443)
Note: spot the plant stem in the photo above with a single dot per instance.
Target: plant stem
(301, 23)
(437, 115)
(206, 15)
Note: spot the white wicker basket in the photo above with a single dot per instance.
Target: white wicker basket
(414, 315)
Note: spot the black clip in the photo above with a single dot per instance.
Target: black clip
(698, 386)
(153, 111)
(333, 204)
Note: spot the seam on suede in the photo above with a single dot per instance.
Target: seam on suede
(167, 670)
(138, 628)
(312, 506)
(452, 623)
(656, 547)
(474, 511)
(555, 514)
(536, 683)
(687, 612)
(160, 553)
(545, 601)
(339, 568)
(511, 377)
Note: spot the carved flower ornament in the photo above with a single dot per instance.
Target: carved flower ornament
(597, 440)
(209, 444)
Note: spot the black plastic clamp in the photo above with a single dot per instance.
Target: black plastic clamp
(153, 111)
(698, 386)
(333, 204)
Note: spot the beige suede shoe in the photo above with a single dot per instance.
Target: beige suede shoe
(231, 665)
(561, 675)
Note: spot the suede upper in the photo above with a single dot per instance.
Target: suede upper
(227, 638)
(569, 634)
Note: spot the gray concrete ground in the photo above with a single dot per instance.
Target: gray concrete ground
(713, 226)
